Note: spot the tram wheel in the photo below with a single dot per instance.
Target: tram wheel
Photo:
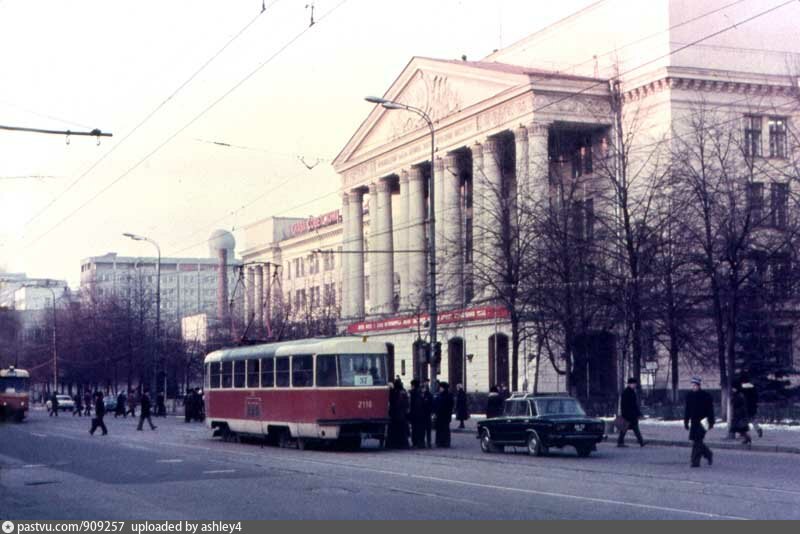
(284, 439)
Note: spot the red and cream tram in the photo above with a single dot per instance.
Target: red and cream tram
(14, 396)
(332, 390)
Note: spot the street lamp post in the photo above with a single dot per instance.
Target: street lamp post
(391, 105)
(157, 352)
(55, 335)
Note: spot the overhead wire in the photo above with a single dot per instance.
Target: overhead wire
(184, 127)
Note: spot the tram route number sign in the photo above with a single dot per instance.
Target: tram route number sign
(363, 380)
(252, 407)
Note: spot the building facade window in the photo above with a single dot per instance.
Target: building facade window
(755, 201)
(752, 135)
(779, 204)
(777, 137)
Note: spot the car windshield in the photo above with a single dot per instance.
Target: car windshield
(362, 370)
(13, 384)
(64, 397)
(559, 407)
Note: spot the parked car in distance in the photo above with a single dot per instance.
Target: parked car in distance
(65, 403)
(540, 423)
(110, 403)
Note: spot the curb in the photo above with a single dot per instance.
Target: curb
(728, 446)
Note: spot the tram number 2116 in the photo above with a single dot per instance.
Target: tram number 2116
(364, 404)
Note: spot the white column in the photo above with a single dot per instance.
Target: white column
(522, 170)
(401, 230)
(344, 261)
(538, 160)
(416, 238)
(441, 244)
(266, 299)
(492, 217)
(374, 262)
(385, 243)
(356, 270)
(479, 221)
(453, 264)
(258, 300)
(249, 303)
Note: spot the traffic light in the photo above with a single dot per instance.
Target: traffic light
(423, 352)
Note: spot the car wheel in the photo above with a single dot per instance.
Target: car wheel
(535, 447)
(583, 450)
(486, 443)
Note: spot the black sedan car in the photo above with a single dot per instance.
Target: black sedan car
(541, 423)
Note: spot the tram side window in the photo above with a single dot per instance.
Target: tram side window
(227, 374)
(282, 372)
(302, 371)
(267, 372)
(215, 374)
(252, 373)
(238, 374)
(326, 371)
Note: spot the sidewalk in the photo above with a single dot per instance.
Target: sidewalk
(777, 438)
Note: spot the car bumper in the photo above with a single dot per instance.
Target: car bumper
(562, 440)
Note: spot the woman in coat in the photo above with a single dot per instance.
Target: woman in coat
(462, 412)
(494, 403)
(741, 420)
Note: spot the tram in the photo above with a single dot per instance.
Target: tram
(14, 393)
(332, 390)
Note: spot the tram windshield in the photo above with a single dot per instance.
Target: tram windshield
(362, 370)
(13, 384)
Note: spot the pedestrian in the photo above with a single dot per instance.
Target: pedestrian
(494, 403)
(416, 415)
(54, 405)
(78, 409)
(462, 410)
(751, 396)
(699, 406)
(740, 422)
(99, 413)
(427, 411)
(145, 412)
(504, 393)
(87, 402)
(630, 412)
(201, 405)
(443, 411)
(161, 407)
(398, 416)
(189, 406)
(131, 404)
(120, 409)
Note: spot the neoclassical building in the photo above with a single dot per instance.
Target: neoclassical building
(495, 121)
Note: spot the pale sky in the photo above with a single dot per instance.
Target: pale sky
(85, 64)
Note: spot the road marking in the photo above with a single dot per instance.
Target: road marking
(38, 435)
(219, 471)
(170, 461)
(33, 466)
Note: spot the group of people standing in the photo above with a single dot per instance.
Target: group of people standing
(423, 411)
(699, 408)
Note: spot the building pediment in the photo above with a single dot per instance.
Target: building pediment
(442, 89)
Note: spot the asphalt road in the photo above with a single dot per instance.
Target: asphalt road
(53, 469)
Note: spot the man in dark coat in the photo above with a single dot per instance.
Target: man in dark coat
(145, 412)
(494, 403)
(87, 402)
(462, 410)
(751, 396)
(427, 411)
(99, 413)
(416, 415)
(121, 409)
(398, 416)
(54, 405)
(699, 406)
(629, 410)
(443, 410)
(78, 410)
(189, 406)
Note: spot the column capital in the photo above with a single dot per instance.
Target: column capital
(521, 133)
(438, 165)
(491, 145)
(450, 160)
(403, 177)
(373, 188)
(356, 195)
(477, 151)
(539, 127)
(345, 199)
(383, 186)
(414, 174)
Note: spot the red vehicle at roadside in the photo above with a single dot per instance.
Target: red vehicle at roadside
(14, 393)
(331, 390)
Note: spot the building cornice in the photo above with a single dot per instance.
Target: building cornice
(699, 84)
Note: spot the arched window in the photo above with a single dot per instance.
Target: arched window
(455, 362)
(498, 360)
